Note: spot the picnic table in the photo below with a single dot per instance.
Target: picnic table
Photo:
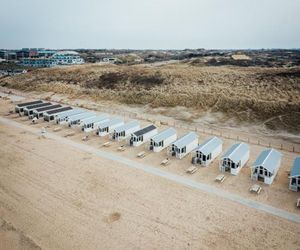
(165, 162)
(106, 144)
(122, 148)
(191, 170)
(141, 154)
(255, 189)
(220, 178)
(85, 138)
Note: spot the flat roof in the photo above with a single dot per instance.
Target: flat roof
(39, 105)
(164, 135)
(209, 145)
(95, 119)
(24, 104)
(70, 112)
(296, 168)
(144, 130)
(236, 152)
(269, 159)
(82, 116)
(59, 110)
(127, 126)
(111, 122)
(48, 108)
(185, 140)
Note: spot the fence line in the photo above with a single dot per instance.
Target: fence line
(180, 125)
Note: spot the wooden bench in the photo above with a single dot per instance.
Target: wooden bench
(191, 170)
(220, 178)
(255, 189)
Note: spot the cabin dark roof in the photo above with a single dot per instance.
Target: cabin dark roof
(39, 105)
(144, 130)
(48, 108)
(55, 111)
(24, 104)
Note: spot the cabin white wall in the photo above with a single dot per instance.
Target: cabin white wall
(149, 135)
(111, 129)
(245, 158)
(167, 142)
(189, 148)
(131, 130)
(216, 152)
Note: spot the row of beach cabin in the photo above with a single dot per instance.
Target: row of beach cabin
(233, 160)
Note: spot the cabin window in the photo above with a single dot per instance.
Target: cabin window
(260, 171)
(293, 181)
(204, 157)
(183, 150)
(209, 157)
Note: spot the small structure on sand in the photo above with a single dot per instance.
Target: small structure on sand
(235, 158)
(266, 166)
(184, 145)
(205, 153)
(295, 175)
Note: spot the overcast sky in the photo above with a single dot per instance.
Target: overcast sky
(156, 24)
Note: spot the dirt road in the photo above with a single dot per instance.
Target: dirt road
(61, 197)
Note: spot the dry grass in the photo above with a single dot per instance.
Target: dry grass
(246, 93)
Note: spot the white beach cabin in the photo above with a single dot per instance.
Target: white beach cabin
(28, 110)
(39, 112)
(124, 131)
(235, 158)
(62, 117)
(163, 139)
(295, 175)
(143, 135)
(91, 124)
(76, 119)
(205, 153)
(184, 145)
(20, 107)
(266, 166)
(107, 127)
(50, 115)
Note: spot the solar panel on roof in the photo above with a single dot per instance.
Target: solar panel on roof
(38, 105)
(55, 111)
(48, 108)
(144, 130)
(24, 104)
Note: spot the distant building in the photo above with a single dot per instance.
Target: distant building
(110, 60)
(39, 62)
(3, 54)
(46, 53)
(67, 58)
(22, 54)
(52, 59)
(12, 72)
